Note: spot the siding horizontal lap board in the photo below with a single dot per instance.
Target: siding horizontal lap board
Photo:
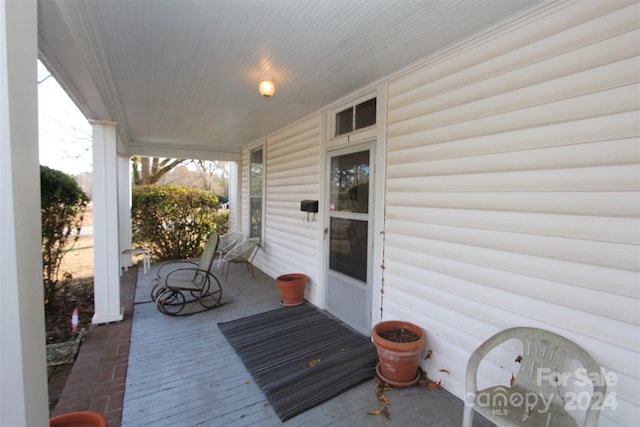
(605, 254)
(622, 203)
(607, 229)
(596, 129)
(512, 191)
(525, 46)
(619, 313)
(292, 174)
(616, 281)
(590, 63)
(601, 103)
(575, 155)
(611, 178)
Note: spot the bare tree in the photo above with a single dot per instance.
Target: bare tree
(148, 170)
(215, 176)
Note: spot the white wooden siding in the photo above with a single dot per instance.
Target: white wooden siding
(513, 192)
(292, 174)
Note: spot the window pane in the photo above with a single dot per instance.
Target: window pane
(256, 178)
(366, 114)
(344, 121)
(256, 172)
(256, 217)
(349, 247)
(350, 183)
(256, 184)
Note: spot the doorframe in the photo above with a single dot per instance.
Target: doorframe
(367, 145)
(378, 137)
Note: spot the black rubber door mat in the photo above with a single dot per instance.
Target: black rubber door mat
(300, 357)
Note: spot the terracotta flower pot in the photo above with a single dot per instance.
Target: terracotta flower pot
(399, 362)
(291, 288)
(79, 419)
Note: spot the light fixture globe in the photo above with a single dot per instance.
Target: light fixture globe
(266, 88)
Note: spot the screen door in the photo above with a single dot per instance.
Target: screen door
(349, 238)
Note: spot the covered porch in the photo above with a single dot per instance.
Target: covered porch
(182, 371)
(505, 161)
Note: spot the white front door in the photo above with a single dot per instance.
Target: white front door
(348, 236)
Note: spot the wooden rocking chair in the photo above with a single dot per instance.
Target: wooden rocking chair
(177, 285)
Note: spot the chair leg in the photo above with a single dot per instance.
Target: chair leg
(467, 416)
(250, 268)
(146, 262)
(225, 270)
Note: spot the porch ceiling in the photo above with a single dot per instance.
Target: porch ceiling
(180, 77)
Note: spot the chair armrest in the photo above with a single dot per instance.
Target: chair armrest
(479, 354)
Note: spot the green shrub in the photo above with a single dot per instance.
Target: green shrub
(172, 221)
(62, 205)
(221, 219)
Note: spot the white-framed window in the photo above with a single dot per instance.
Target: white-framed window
(256, 191)
(355, 116)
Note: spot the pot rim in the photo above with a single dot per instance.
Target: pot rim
(390, 324)
(290, 276)
(86, 417)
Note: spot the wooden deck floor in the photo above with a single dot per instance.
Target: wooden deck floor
(182, 372)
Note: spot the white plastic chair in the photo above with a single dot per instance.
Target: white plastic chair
(536, 396)
(227, 242)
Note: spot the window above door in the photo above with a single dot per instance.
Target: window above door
(355, 116)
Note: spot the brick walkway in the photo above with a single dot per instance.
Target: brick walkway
(96, 381)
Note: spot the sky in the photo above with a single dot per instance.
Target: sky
(64, 134)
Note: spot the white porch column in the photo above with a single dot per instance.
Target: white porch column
(106, 250)
(23, 367)
(124, 208)
(235, 207)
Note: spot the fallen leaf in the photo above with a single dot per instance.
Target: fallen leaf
(445, 371)
(519, 359)
(383, 399)
(374, 412)
(382, 386)
(512, 379)
(312, 363)
(386, 413)
(428, 356)
(434, 386)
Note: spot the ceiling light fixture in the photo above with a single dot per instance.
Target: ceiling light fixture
(266, 88)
